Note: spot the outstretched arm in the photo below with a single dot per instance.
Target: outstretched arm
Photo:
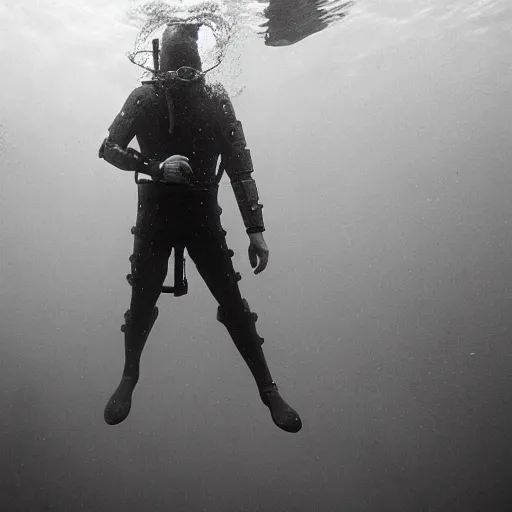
(237, 162)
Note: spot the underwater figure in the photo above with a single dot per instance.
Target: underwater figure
(183, 126)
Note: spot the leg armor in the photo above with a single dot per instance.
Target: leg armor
(148, 271)
(242, 329)
(213, 260)
(237, 322)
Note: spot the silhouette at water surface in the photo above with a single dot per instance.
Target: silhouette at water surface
(290, 21)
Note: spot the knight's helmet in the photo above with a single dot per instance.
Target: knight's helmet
(179, 47)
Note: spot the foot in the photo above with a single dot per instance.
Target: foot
(120, 403)
(284, 416)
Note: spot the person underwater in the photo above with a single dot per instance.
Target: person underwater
(183, 125)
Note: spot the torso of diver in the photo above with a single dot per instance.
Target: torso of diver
(202, 126)
(194, 130)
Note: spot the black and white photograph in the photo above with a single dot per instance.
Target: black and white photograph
(256, 256)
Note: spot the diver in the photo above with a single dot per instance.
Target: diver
(183, 125)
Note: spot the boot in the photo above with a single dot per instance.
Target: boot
(283, 416)
(242, 329)
(119, 405)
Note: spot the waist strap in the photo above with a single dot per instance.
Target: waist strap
(198, 185)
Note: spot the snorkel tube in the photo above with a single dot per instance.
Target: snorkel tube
(156, 56)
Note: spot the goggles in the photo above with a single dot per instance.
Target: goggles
(184, 74)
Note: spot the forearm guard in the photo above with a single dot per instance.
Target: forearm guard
(239, 169)
(127, 159)
(238, 164)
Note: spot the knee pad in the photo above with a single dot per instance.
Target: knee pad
(232, 319)
(129, 324)
(225, 315)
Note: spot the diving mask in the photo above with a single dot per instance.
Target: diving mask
(184, 74)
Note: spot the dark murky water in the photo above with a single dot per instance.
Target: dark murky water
(382, 155)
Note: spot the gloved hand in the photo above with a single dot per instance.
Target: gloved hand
(176, 169)
(258, 252)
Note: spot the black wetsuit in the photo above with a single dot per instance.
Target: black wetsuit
(199, 124)
(178, 215)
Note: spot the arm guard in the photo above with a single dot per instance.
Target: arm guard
(236, 160)
(127, 159)
(123, 129)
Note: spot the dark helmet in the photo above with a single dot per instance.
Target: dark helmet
(179, 47)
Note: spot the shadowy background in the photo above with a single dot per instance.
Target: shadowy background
(383, 157)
